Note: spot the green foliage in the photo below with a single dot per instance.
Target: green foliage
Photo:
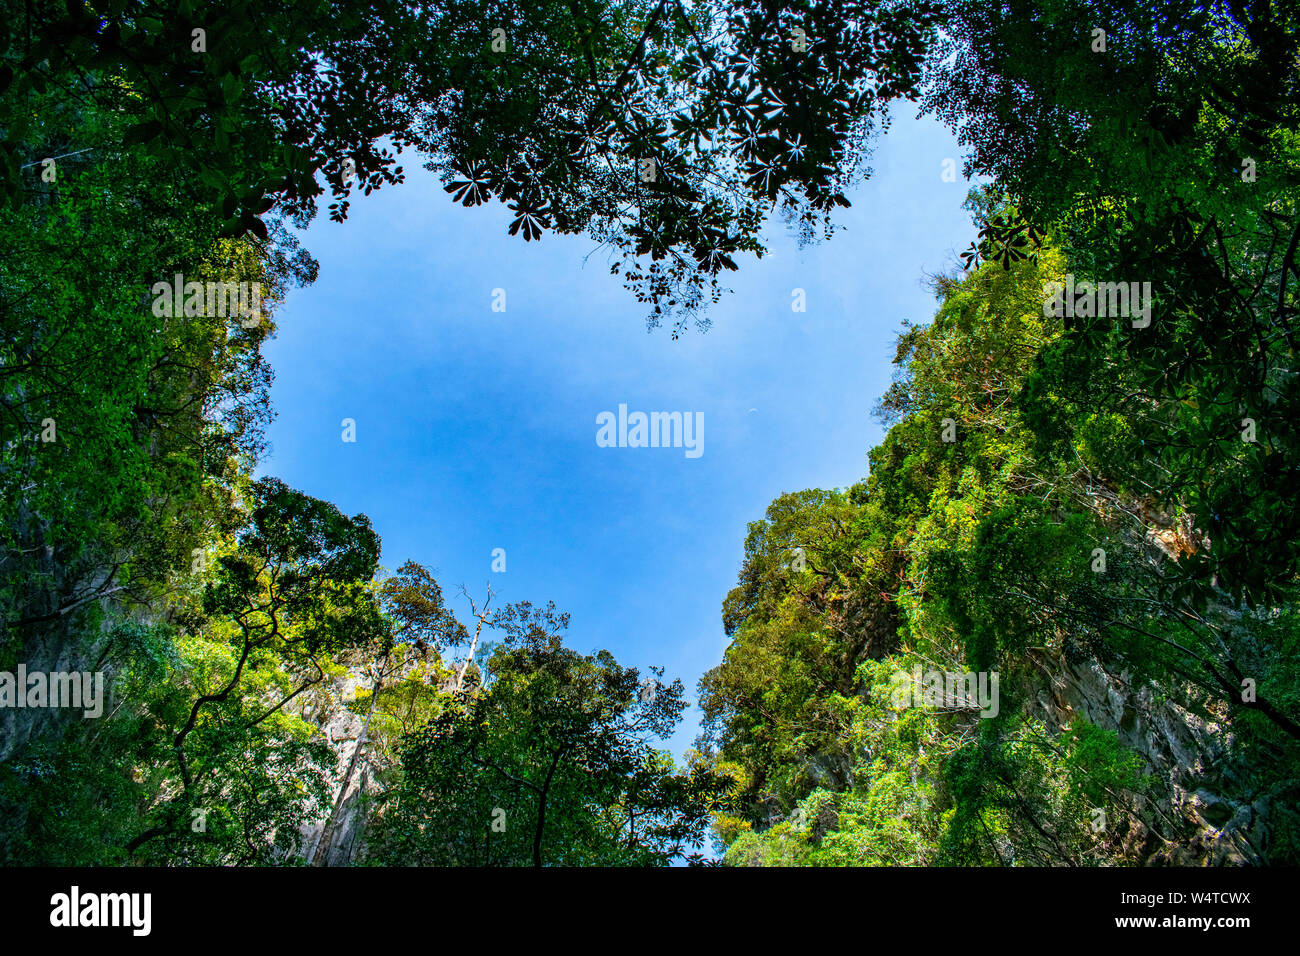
(1169, 157)
(1074, 502)
(556, 116)
(977, 543)
(547, 763)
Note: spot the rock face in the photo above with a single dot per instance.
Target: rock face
(56, 651)
(336, 840)
(1202, 812)
(345, 845)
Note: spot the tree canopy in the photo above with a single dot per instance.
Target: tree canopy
(1085, 491)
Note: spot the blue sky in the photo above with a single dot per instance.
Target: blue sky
(476, 429)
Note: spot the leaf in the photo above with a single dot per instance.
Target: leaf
(142, 132)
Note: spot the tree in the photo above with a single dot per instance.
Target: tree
(546, 763)
(421, 625)
(668, 133)
(1161, 152)
(976, 546)
(292, 590)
